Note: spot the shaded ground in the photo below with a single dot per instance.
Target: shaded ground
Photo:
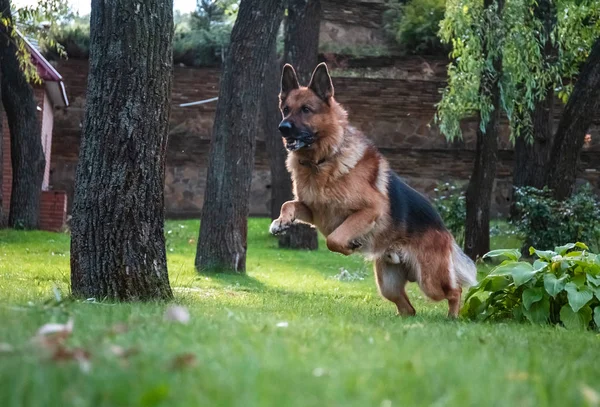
(288, 334)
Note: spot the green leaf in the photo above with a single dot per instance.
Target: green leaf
(539, 312)
(593, 280)
(554, 285)
(495, 283)
(543, 254)
(475, 304)
(531, 296)
(582, 246)
(512, 254)
(521, 273)
(597, 316)
(540, 265)
(578, 296)
(578, 280)
(579, 320)
(562, 250)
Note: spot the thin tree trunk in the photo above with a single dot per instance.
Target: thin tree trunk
(531, 159)
(481, 184)
(301, 49)
(27, 155)
(118, 243)
(281, 183)
(222, 242)
(582, 106)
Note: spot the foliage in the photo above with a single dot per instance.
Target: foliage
(562, 286)
(449, 200)
(73, 37)
(36, 22)
(545, 222)
(527, 70)
(342, 345)
(414, 25)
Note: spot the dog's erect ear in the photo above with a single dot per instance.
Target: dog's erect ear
(289, 80)
(320, 83)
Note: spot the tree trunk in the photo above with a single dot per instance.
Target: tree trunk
(301, 49)
(117, 238)
(576, 119)
(481, 184)
(301, 46)
(531, 159)
(27, 155)
(281, 183)
(224, 226)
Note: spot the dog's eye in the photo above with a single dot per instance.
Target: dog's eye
(305, 109)
(286, 110)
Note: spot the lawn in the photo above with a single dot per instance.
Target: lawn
(287, 334)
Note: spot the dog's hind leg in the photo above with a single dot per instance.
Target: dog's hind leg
(391, 280)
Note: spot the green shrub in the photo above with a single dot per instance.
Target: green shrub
(561, 287)
(545, 222)
(201, 47)
(449, 200)
(414, 25)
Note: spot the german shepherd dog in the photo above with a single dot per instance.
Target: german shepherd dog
(345, 187)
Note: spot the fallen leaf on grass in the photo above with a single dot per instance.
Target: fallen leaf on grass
(6, 348)
(177, 313)
(80, 355)
(52, 336)
(591, 396)
(61, 329)
(122, 352)
(283, 324)
(319, 371)
(518, 376)
(184, 360)
(119, 328)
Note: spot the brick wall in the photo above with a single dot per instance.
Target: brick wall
(53, 203)
(53, 210)
(396, 112)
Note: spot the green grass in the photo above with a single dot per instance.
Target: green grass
(343, 346)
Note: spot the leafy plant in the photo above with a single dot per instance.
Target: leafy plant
(561, 287)
(449, 200)
(527, 71)
(545, 222)
(414, 25)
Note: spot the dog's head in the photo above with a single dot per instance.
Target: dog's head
(310, 114)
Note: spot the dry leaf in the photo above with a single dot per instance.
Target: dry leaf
(282, 324)
(118, 329)
(6, 348)
(177, 313)
(50, 329)
(124, 353)
(184, 360)
(591, 396)
(518, 376)
(80, 355)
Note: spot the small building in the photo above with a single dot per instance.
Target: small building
(49, 95)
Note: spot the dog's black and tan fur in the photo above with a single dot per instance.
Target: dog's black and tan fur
(345, 187)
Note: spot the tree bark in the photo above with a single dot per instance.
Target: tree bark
(281, 183)
(531, 159)
(576, 119)
(27, 155)
(117, 238)
(301, 49)
(481, 184)
(222, 241)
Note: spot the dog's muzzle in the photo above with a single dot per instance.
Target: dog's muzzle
(295, 138)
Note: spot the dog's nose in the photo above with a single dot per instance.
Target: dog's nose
(285, 127)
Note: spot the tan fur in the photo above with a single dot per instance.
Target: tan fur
(340, 186)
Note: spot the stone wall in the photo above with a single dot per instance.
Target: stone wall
(396, 112)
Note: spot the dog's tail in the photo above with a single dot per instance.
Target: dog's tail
(465, 269)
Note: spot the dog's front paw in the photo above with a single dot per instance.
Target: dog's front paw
(279, 227)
